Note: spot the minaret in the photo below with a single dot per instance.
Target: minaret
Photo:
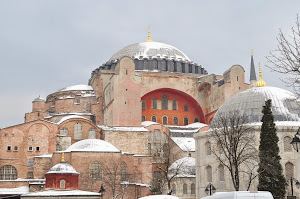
(260, 82)
(149, 35)
(253, 79)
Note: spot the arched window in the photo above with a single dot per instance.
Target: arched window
(287, 144)
(8, 172)
(123, 171)
(209, 173)
(208, 148)
(196, 119)
(153, 118)
(143, 118)
(154, 103)
(62, 184)
(174, 104)
(96, 170)
(221, 173)
(164, 102)
(289, 171)
(143, 105)
(185, 121)
(64, 131)
(174, 189)
(92, 134)
(184, 188)
(175, 120)
(78, 131)
(186, 108)
(193, 188)
(165, 120)
(30, 163)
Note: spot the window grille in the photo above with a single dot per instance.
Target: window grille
(165, 120)
(185, 121)
(164, 102)
(96, 170)
(186, 108)
(143, 105)
(209, 174)
(143, 118)
(174, 104)
(287, 144)
(154, 103)
(62, 184)
(153, 118)
(64, 131)
(184, 188)
(92, 134)
(78, 131)
(289, 170)
(29, 175)
(175, 120)
(123, 171)
(30, 163)
(8, 172)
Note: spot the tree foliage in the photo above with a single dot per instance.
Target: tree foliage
(235, 146)
(286, 57)
(270, 170)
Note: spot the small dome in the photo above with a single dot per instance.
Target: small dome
(38, 99)
(92, 145)
(62, 168)
(250, 102)
(185, 167)
(150, 49)
(81, 87)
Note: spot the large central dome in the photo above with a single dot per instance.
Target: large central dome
(150, 50)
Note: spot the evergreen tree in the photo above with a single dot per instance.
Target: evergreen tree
(270, 170)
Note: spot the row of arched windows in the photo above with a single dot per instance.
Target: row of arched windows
(165, 120)
(96, 171)
(185, 189)
(78, 132)
(164, 104)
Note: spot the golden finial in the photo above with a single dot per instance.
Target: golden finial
(251, 52)
(149, 35)
(63, 157)
(260, 82)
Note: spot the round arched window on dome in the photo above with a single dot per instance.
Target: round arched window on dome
(8, 172)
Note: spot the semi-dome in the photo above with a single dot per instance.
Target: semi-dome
(185, 167)
(92, 145)
(62, 168)
(150, 50)
(285, 106)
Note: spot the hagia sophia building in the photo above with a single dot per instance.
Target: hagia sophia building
(146, 96)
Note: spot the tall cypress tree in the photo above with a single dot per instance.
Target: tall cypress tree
(270, 170)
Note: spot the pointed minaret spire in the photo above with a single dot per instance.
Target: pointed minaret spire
(260, 82)
(149, 35)
(62, 157)
(253, 79)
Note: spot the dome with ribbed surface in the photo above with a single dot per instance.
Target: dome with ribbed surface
(92, 145)
(150, 50)
(62, 168)
(285, 106)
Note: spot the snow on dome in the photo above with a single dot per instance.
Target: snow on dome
(185, 167)
(285, 106)
(196, 125)
(92, 145)
(81, 87)
(159, 197)
(150, 50)
(61, 120)
(61, 168)
(148, 123)
(38, 99)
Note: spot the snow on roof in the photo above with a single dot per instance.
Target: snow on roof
(123, 128)
(61, 120)
(61, 193)
(185, 143)
(185, 167)
(159, 197)
(196, 125)
(62, 168)
(18, 190)
(148, 123)
(38, 99)
(92, 145)
(81, 87)
(44, 156)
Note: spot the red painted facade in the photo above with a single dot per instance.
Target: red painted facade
(53, 181)
(194, 110)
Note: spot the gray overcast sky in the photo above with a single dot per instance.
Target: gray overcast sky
(48, 45)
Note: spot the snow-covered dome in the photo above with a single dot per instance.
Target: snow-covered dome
(150, 50)
(185, 167)
(80, 87)
(38, 99)
(92, 145)
(62, 168)
(285, 106)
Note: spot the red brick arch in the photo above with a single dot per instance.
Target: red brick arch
(194, 109)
